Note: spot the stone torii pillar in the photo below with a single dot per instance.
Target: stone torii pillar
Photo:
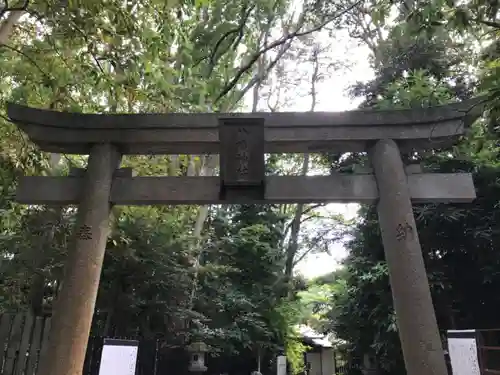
(416, 320)
(74, 307)
(241, 140)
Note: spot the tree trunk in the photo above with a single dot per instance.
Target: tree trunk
(7, 26)
(52, 217)
(293, 244)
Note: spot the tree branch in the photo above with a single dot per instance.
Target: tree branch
(304, 212)
(312, 207)
(238, 30)
(494, 24)
(302, 256)
(259, 78)
(297, 33)
(19, 8)
(8, 24)
(245, 14)
(30, 59)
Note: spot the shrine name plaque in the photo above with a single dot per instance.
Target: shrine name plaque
(242, 164)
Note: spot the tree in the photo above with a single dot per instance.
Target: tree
(164, 265)
(415, 72)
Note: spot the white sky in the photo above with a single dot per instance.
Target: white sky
(319, 264)
(332, 96)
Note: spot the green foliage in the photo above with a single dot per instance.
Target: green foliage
(315, 303)
(362, 312)
(295, 355)
(163, 277)
(460, 268)
(288, 315)
(415, 90)
(225, 284)
(416, 70)
(238, 293)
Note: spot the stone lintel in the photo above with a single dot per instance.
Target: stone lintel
(242, 161)
(285, 132)
(409, 169)
(425, 187)
(120, 172)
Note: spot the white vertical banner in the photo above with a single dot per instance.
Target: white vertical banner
(462, 347)
(119, 357)
(281, 365)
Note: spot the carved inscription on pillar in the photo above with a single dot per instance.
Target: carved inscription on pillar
(242, 153)
(404, 231)
(242, 157)
(84, 233)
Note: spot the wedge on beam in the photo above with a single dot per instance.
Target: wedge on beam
(453, 187)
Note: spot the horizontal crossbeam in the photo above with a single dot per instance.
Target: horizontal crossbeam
(342, 188)
(284, 132)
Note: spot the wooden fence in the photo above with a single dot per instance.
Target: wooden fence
(22, 337)
(488, 347)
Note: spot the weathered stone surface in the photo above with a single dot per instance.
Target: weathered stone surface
(242, 152)
(73, 133)
(96, 188)
(416, 320)
(424, 187)
(242, 163)
(120, 172)
(74, 308)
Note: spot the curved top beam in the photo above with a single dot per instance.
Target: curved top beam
(401, 117)
(194, 133)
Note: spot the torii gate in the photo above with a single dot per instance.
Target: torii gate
(241, 140)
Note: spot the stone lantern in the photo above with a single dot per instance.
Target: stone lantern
(197, 352)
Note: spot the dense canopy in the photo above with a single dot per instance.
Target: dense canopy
(229, 276)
